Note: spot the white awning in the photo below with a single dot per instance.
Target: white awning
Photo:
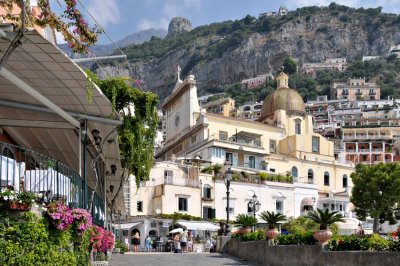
(128, 225)
(202, 226)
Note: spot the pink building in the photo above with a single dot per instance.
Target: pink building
(355, 89)
(255, 82)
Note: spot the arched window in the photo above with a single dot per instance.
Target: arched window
(326, 179)
(344, 180)
(294, 172)
(207, 191)
(310, 176)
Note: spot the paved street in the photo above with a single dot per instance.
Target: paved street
(193, 259)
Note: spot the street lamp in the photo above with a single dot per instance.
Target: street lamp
(254, 204)
(227, 180)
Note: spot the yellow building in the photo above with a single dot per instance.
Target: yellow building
(223, 106)
(281, 141)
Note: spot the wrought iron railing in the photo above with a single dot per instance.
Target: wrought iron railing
(25, 169)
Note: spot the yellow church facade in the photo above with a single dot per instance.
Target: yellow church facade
(281, 142)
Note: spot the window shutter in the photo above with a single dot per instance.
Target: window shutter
(212, 213)
(205, 213)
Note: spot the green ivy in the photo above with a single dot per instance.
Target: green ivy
(137, 133)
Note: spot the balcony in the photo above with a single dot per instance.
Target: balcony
(358, 93)
(39, 173)
(345, 92)
(383, 137)
(372, 93)
(183, 182)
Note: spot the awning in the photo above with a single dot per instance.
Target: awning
(128, 225)
(247, 135)
(202, 226)
(307, 202)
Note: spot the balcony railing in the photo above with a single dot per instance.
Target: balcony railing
(22, 168)
(183, 182)
(369, 137)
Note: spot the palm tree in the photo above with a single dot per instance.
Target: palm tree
(245, 221)
(272, 218)
(325, 218)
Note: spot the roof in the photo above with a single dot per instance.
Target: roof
(243, 120)
(197, 225)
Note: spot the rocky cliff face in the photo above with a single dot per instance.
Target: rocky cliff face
(310, 39)
(179, 24)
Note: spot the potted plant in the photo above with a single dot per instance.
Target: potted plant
(245, 222)
(324, 218)
(17, 201)
(272, 219)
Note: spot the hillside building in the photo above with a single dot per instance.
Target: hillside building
(222, 106)
(281, 12)
(250, 111)
(255, 82)
(329, 64)
(395, 49)
(355, 89)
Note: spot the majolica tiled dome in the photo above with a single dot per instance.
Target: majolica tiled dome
(283, 98)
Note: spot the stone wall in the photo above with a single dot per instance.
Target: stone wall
(259, 252)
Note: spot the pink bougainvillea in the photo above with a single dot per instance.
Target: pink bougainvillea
(82, 220)
(102, 239)
(62, 217)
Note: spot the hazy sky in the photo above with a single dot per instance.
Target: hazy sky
(123, 17)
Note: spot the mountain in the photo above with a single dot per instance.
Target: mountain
(106, 49)
(227, 52)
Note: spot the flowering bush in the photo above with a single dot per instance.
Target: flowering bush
(367, 242)
(13, 196)
(82, 220)
(102, 239)
(61, 216)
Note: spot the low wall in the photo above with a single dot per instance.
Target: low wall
(259, 252)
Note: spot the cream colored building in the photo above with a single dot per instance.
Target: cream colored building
(223, 106)
(281, 141)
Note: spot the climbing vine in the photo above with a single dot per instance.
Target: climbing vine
(137, 134)
(71, 24)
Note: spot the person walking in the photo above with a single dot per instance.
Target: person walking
(184, 239)
(136, 242)
(177, 244)
(190, 242)
(148, 243)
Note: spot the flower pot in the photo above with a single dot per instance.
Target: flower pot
(323, 236)
(245, 230)
(16, 206)
(271, 233)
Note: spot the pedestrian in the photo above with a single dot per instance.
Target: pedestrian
(184, 239)
(177, 244)
(190, 242)
(136, 242)
(148, 243)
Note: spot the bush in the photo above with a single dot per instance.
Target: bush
(299, 238)
(369, 242)
(263, 176)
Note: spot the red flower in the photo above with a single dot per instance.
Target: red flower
(394, 234)
(340, 241)
(303, 231)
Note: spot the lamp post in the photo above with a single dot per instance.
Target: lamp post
(227, 180)
(119, 226)
(254, 204)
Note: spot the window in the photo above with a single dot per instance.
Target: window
(272, 170)
(168, 175)
(229, 157)
(315, 144)
(310, 176)
(325, 206)
(182, 204)
(207, 191)
(257, 142)
(252, 162)
(193, 139)
(249, 209)
(208, 213)
(326, 179)
(279, 206)
(272, 146)
(223, 135)
(231, 205)
(294, 172)
(139, 206)
(298, 128)
(218, 152)
(344, 180)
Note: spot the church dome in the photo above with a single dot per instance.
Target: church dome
(283, 98)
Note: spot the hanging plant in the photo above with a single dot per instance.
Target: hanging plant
(71, 24)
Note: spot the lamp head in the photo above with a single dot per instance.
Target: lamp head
(111, 188)
(113, 169)
(254, 197)
(97, 141)
(95, 133)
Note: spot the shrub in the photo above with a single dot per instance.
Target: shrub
(354, 242)
(121, 247)
(299, 238)
(263, 176)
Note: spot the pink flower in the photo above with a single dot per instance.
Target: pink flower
(138, 81)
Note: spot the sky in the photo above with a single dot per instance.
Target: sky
(123, 17)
